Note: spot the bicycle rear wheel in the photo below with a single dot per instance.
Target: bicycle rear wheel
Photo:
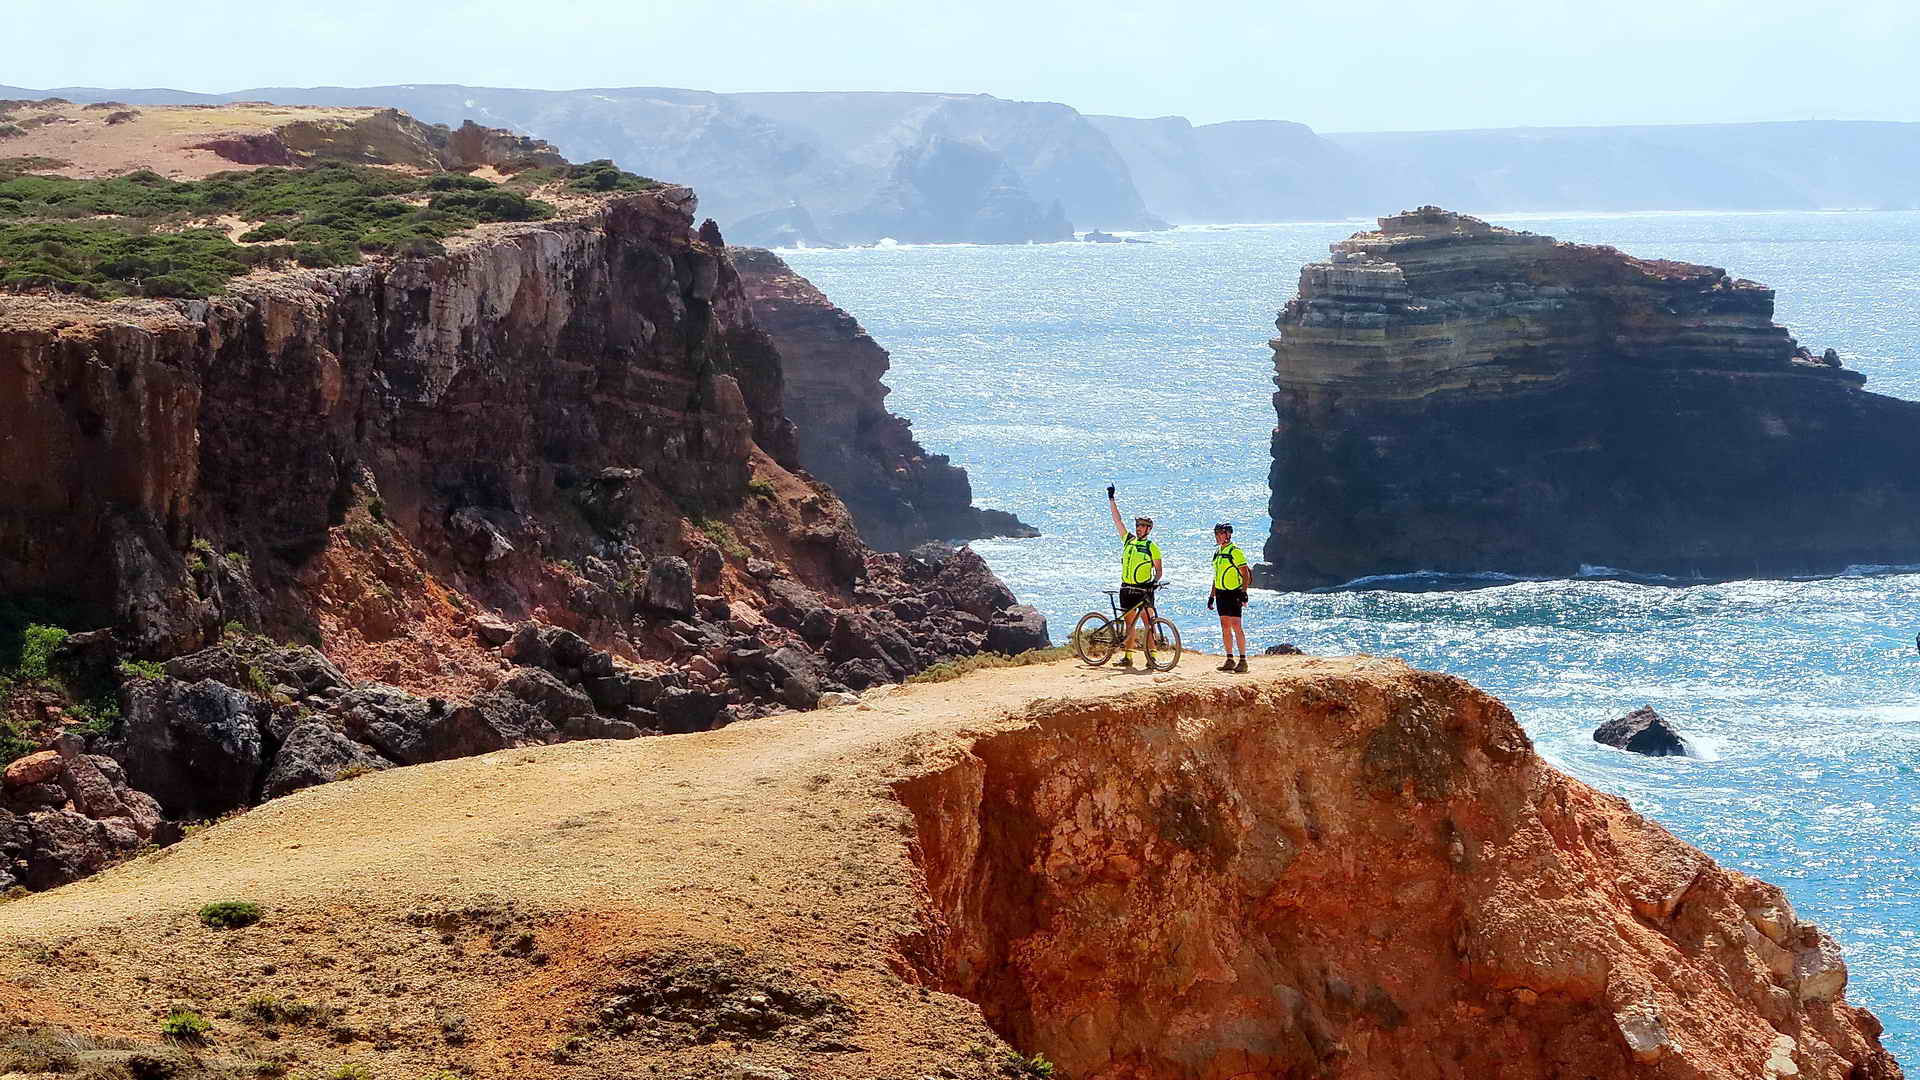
(1163, 645)
(1095, 638)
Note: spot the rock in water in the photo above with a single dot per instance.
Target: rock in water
(1458, 397)
(1644, 731)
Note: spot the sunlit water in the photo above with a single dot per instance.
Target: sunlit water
(1051, 371)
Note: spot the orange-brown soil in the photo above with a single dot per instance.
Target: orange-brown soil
(1325, 868)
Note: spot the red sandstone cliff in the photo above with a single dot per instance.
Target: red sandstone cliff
(541, 486)
(1330, 868)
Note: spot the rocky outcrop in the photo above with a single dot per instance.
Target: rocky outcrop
(65, 814)
(1356, 877)
(1324, 868)
(1643, 731)
(1458, 397)
(572, 424)
(899, 494)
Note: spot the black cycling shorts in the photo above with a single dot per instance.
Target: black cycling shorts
(1230, 602)
(1132, 596)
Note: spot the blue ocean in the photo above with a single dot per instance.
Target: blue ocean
(1052, 371)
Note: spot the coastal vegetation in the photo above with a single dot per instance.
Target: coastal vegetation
(142, 234)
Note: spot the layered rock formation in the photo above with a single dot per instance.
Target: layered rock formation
(541, 486)
(1457, 397)
(1340, 868)
(899, 494)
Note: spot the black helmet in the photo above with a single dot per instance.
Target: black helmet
(1221, 526)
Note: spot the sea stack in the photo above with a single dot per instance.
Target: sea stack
(1458, 397)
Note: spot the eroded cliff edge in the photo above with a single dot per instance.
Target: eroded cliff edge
(900, 495)
(538, 485)
(1337, 867)
(1458, 397)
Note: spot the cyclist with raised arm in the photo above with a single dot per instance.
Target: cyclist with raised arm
(1230, 577)
(1140, 569)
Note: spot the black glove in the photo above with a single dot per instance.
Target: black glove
(1109, 492)
(1209, 601)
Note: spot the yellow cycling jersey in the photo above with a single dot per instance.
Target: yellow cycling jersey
(1137, 559)
(1229, 567)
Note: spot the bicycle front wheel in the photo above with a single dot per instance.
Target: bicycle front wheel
(1163, 645)
(1095, 638)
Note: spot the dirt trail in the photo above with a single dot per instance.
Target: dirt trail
(779, 836)
(1329, 867)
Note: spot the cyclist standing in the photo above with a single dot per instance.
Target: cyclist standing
(1230, 593)
(1140, 568)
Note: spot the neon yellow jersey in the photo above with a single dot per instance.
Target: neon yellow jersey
(1229, 567)
(1137, 559)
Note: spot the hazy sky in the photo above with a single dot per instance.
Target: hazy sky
(1339, 65)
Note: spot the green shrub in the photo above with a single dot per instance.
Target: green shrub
(230, 914)
(761, 487)
(185, 1025)
(1036, 1066)
(37, 645)
(102, 237)
(141, 669)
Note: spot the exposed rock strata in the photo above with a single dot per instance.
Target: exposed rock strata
(1458, 397)
(1353, 877)
(899, 494)
(573, 424)
(1331, 867)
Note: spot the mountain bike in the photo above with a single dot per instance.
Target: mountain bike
(1096, 637)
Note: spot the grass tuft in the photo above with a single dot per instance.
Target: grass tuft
(230, 914)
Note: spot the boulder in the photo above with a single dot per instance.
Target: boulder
(44, 796)
(613, 692)
(33, 769)
(1285, 649)
(553, 700)
(316, 754)
(91, 792)
(669, 587)
(600, 727)
(550, 647)
(258, 664)
(1016, 630)
(973, 587)
(857, 635)
(197, 747)
(863, 673)
(492, 629)
(1643, 731)
(682, 711)
(62, 846)
(410, 730)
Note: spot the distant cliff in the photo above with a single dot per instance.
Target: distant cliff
(1244, 171)
(817, 168)
(1458, 397)
(857, 166)
(899, 494)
